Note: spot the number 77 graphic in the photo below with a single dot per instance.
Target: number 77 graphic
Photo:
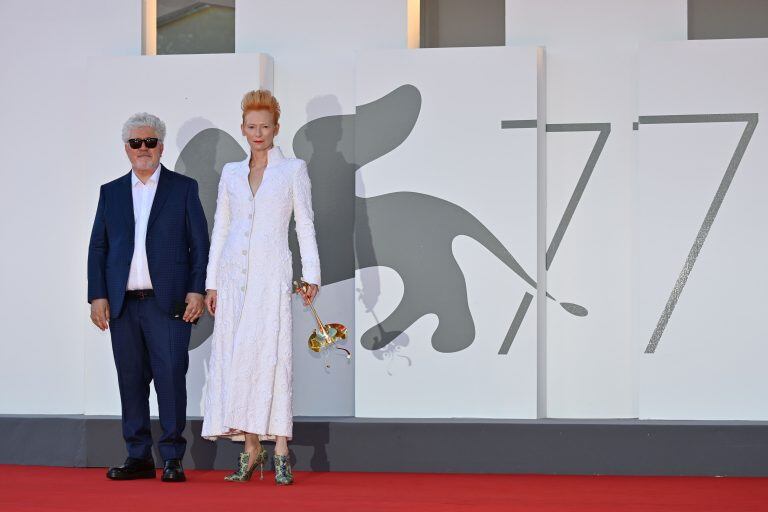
(751, 122)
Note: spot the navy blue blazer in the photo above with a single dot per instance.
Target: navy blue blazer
(177, 241)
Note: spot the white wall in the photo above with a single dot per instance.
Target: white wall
(46, 195)
(620, 257)
(709, 360)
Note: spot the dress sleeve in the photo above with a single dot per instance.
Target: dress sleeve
(305, 227)
(221, 222)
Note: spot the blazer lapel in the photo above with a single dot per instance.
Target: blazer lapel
(126, 197)
(163, 189)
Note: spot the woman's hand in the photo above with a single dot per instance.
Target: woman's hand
(308, 293)
(210, 301)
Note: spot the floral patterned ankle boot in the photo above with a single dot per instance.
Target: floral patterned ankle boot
(245, 469)
(283, 475)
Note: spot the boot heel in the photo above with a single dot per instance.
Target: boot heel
(261, 458)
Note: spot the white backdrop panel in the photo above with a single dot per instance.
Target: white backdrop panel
(455, 184)
(198, 97)
(45, 221)
(705, 353)
(590, 159)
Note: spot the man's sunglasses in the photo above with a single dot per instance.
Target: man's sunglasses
(151, 142)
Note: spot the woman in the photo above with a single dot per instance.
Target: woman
(248, 395)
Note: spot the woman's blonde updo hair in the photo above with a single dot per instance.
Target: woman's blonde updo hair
(261, 99)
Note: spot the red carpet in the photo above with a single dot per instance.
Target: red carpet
(24, 488)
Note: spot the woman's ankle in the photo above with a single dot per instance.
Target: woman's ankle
(254, 450)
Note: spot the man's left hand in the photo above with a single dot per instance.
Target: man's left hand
(195, 307)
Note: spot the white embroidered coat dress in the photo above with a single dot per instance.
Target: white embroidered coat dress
(250, 266)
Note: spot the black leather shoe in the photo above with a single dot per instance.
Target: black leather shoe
(133, 469)
(173, 472)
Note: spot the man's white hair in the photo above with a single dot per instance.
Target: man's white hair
(143, 119)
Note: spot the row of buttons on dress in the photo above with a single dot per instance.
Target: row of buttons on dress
(245, 252)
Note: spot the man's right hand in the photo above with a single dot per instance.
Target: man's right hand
(100, 313)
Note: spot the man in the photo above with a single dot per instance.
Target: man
(146, 280)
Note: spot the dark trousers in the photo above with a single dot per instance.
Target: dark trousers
(150, 345)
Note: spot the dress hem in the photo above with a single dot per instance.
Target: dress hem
(241, 437)
(234, 434)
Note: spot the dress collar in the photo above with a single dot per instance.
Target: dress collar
(274, 157)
